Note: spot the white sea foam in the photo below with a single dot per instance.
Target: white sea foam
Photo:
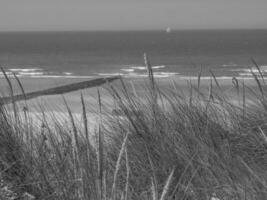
(250, 71)
(218, 78)
(128, 70)
(139, 75)
(165, 74)
(263, 69)
(230, 65)
(238, 69)
(245, 74)
(158, 67)
(67, 73)
(138, 67)
(39, 73)
(145, 68)
(7, 73)
(25, 69)
(109, 74)
(156, 74)
(30, 73)
(204, 77)
(60, 76)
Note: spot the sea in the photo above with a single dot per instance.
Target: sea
(175, 54)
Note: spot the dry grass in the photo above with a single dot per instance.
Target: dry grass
(168, 146)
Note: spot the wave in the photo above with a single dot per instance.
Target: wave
(39, 73)
(30, 73)
(7, 73)
(25, 69)
(263, 68)
(230, 65)
(139, 75)
(238, 69)
(60, 76)
(67, 73)
(110, 74)
(127, 70)
(145, 68)
(241, 76)
(165, 74)
(218, 78)
(204, 77)
(158, 67)
(245, 74)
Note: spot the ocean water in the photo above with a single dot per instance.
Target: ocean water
(179, 54)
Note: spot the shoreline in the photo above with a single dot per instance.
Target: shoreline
(38, 84)
(55, 103)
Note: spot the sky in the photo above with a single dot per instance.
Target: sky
(59, 15)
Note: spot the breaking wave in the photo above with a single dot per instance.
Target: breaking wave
(39, 73)
(18, 70)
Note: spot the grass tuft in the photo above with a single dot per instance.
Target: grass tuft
(159, 144)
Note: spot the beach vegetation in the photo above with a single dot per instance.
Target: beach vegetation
(158, 146)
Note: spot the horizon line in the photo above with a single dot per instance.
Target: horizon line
(136, 30)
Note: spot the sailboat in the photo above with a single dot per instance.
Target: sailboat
(168, 30)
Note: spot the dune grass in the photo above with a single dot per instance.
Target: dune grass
(166, 146)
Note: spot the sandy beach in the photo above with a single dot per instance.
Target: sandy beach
(56, 103)
(53, 106)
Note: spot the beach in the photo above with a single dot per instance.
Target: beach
(54, 106)
(204, 123)
(187, 120)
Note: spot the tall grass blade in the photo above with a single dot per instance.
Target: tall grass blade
(25, 109)
(133, 88)
(21, 86)
(12, 96)
(154, 190)
(199, 77)
(104, 192)
(74, 128)
(190, 179)
(154, 178)
(118, 163)
(84, 119)
(188, 165)
(151, 80)
(263, 135)
(244, 99)
(77, 169)
(190, 93)
(149, 71)
(126, 191)
(167, 185)
(236, 85)
(215, 79)
(100, 151)
(258, 68)
(210, 91)
(258, 83)
(263, 182)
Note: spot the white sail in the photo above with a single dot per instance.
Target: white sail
(168, 30)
